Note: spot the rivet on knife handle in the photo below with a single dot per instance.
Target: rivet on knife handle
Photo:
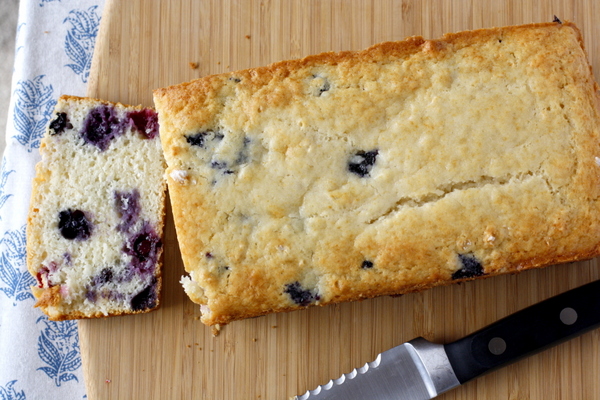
(420, 370)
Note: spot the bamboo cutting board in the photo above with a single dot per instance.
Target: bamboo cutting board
(170, 354)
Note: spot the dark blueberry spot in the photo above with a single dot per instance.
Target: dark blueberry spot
(94, 290)
(470, 267)
(234, 79)
(105, 276)
(146, 299)
(199, 139)
(145, 121)
(58, 124)
(367, 264)
(209, 255)
(557, 20)
(73, 224)
(196, 140)
(222, 166)
(127, 205)
(101, 126)
(325, 88)
(362, 162)
(218, 164)
(144, 248)
(299, 295)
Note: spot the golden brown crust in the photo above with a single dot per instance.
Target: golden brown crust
(487, 161)
(195, 90)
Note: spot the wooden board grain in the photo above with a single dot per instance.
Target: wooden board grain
(169, 354)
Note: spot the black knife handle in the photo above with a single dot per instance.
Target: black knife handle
(528, 331)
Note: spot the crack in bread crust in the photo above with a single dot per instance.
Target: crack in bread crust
(452, 187)
(375, 172)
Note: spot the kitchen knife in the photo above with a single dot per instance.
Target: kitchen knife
(419, 369)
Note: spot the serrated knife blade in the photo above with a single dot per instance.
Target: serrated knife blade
(420, 370)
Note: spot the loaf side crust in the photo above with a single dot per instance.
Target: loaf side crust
(408, 165)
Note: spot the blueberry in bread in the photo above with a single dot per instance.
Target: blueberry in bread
(94, 233)
(411, 164)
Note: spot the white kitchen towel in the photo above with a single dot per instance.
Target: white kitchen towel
(39, 359)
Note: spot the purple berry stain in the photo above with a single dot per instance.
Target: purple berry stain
(470, 267)
(42, 277)
(145, 121)
(300, 295)
(59, 124)
(91, 295)
(105, 276)
(101, 126)
(74, 225)
(127, 205)
(144, 248)
(146, 299)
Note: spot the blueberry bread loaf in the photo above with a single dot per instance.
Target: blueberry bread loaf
(94, 234)
(411, 164)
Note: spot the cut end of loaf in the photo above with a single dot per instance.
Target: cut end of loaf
(95, 227)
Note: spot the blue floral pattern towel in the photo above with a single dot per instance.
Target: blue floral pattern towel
(41, 359)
